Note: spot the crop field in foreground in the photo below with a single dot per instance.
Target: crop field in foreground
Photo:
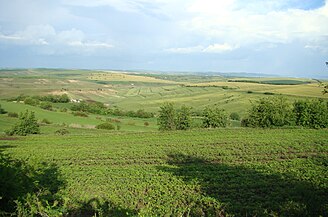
(241, 172)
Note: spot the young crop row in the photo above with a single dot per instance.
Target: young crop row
(194, 173)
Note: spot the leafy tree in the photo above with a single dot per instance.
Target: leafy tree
(167, 116)
(313, 114)
(214, 117)
(46, 105)
(31, 101)
(269, 112)
(183, 119)
(27, 125)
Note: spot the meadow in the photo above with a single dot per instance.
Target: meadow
(137, 170)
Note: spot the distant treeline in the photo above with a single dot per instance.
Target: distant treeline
(79, 108)
(273, 82)
(47, 98)
(94, 107)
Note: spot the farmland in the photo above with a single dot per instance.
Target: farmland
(230, 171)
(137, 170)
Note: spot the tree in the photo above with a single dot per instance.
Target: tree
(167, 116)
(27, 125)
(214, 117)
(269, 112)
(313, 114)
(183, 119)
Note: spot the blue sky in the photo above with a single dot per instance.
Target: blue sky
(285, 37)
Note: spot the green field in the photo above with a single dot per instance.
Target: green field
(199, 173)
(137, 170)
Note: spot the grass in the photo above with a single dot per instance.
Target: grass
(239, 172)
(66, 119)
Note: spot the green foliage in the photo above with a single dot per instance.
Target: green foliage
(105, 126)
(270, 112)
(90, 107)
(80, 114)
(12, 114)
(45, 121)
(313, 114)
(214, 117)
(62, 132)
(183, 119)
(234, 116)
(27, 190)
(2, 111)
(31, 101)
(46, 105)
(166, 117)
(55, 98)
(27, 125)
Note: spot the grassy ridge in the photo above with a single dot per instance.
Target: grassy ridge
(240, 172)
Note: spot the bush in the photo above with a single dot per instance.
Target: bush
(146, 124)
(183, 119)
(31, 101)
(234, 116)
(27, 125)
(313, 114)
(2, 111)
(46, 106)
(12, 114)
(214, 117)
(105, 126)
(45, 121)
(270, 112)
(62, 132)
(80, 114)
(166, 118)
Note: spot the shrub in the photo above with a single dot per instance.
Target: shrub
(80, 114)
(166, 118)
(63, 110)
(234, 116)
(46, 106)
(13, 114)
(146, 124)
(31, 101)
(2, 111)
(45, 121)
(214, 117)
(62, 132)
(183, 119)
(105, 126)
(27, 125)
(270, 112)
(313, 114)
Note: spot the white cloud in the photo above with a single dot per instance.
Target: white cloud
(45, 36)
(230, 21)
(214, 48)
(185, 50)
(219, 48)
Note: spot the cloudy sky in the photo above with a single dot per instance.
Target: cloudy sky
(285, 37)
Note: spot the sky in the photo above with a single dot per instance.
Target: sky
(282, 37)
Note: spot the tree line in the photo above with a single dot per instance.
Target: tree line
(264, 113)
